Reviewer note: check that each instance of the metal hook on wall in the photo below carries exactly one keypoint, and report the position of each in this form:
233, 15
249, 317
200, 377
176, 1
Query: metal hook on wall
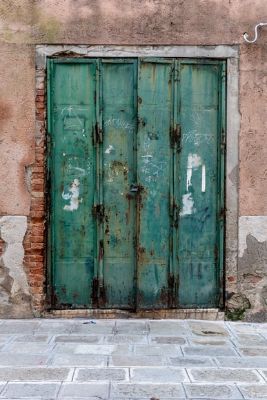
256, 33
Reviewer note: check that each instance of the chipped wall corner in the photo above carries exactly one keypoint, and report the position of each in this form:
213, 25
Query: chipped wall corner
15, 298
250, 303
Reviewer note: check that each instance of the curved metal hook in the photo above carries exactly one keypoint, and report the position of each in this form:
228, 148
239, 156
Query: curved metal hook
256, 33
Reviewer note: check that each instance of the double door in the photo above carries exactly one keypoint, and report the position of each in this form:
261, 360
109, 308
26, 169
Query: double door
135, 167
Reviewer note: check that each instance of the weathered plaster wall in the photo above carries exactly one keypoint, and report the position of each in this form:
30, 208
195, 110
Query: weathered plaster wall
24, 23
14, 289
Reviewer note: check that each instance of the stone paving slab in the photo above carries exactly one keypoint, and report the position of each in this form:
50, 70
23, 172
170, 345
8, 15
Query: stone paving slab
101, 374
32, 390
146, 390
211, 391
85, 390
254, 391
158, 374
132, 359
224, 375
36, 374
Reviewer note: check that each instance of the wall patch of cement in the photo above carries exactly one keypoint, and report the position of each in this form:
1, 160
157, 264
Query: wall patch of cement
14, 289
252, 265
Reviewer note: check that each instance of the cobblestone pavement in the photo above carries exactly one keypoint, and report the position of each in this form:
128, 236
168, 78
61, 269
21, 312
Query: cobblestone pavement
132, 359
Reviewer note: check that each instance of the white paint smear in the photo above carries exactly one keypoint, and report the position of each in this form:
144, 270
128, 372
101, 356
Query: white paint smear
188, 205
193, 161
203, 181
73, 196
109, 149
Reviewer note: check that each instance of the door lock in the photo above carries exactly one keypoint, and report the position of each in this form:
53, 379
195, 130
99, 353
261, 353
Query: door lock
134, 188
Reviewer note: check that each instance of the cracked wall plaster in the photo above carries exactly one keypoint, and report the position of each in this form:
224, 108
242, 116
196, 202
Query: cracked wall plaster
251, 225
252, 265
14, 289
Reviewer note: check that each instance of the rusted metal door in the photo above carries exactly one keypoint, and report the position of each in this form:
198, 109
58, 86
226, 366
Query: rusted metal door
136, 174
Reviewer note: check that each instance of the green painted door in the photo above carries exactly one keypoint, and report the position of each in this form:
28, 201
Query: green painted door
136, 176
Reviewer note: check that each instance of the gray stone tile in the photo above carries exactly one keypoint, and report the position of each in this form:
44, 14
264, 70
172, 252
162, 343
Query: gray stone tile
2, 385
209, 351
84, 390
157, 350
32, 338
242, 362
130, 339
243, 340
101, 374
34, 374
158, 375
127, 361
264, 372
189, 362
79, 360
85, 327
78, 339
146, 390
240, 327
167, 327
254, 352
254, 391
131, 327
28, 348
4, 338
23, 360
209, 341
205, 328
18, 326
167, 340
212, 375
31, 390
210, 391
75, 348
54, 327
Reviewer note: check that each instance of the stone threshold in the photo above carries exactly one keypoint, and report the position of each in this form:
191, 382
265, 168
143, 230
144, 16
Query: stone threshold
211, 314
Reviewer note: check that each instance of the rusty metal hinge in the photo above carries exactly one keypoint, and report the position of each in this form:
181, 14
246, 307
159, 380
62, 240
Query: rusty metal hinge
222, 213
176, 214
223, 142
99, 212
176, 137
97, 134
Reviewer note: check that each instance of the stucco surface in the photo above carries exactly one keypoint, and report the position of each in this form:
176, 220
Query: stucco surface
26, 23
16, 127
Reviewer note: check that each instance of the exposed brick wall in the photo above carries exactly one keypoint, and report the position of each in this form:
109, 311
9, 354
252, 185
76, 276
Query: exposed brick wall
2, 246
34, 243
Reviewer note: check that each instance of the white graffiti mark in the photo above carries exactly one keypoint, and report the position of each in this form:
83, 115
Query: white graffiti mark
203, 179
193, 162
76, 121
152, 170
188, 205
119, 123
196, 138
110, 149
73, 196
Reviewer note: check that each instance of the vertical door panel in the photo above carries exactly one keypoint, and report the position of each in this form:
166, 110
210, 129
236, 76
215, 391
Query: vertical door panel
198, 185
72, 182
154, 163
119, 130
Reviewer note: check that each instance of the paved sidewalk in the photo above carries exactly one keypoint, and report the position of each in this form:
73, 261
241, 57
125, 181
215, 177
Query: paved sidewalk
132, 359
